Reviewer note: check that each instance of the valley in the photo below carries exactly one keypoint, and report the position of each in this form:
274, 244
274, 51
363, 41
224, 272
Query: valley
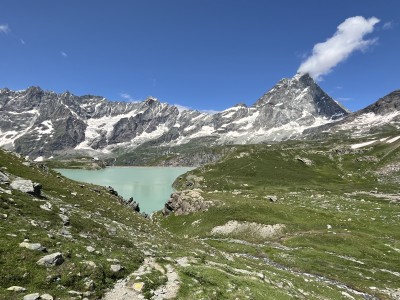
293, 197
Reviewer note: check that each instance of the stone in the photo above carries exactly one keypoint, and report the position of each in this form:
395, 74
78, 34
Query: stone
34, 296
272, 198
16, 288
47, 206
33, 246
89, 263
65, 219
306, 161
116, 268
90, 249
51, 260
4, 178
46, 297
26, 186
185, 202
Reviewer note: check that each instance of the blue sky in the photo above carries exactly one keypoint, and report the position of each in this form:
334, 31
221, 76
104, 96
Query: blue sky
203, 54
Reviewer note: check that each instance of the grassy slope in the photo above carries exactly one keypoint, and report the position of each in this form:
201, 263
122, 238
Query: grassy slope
347, 237
360, 249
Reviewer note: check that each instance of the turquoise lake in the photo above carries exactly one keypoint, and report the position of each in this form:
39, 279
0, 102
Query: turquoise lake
150, 186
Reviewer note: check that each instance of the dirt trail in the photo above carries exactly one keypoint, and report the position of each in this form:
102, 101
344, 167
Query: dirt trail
127, 289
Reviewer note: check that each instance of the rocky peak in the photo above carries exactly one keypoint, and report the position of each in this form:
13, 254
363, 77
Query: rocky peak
301, 93
389, 103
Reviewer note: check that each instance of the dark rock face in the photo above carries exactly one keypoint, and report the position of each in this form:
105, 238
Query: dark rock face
38, 123
385, 105
384, 113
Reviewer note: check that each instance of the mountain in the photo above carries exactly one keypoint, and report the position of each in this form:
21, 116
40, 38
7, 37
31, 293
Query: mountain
383, 115
41, 123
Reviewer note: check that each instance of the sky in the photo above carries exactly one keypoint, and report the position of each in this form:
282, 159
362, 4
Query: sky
201, 54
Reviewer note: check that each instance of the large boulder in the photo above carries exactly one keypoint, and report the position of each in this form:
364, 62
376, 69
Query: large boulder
51, 260
186, 202
33, 246
26, 186
4, 178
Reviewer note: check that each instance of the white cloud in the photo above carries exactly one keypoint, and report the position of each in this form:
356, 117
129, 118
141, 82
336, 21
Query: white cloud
127, 97
347, 39
22, 41
4, 28
387, 25
64, 54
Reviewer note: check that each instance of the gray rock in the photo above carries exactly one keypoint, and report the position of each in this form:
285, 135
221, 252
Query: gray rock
65, 219
272, 198
34, 296
186, 202
90, 249
33, 246
16, 288
26, 186
306, 161
46, 297
47, 206
116, 268
4, 178
51, 260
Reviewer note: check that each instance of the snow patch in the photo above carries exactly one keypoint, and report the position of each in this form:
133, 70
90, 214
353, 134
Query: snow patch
360, 145
393, 140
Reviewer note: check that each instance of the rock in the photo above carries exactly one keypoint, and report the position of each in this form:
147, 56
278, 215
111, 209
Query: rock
116, 268
34, 296
4, 179
16, 288
47, 206
111, 190
249, 228
46, 297
185, 202
133, 204
33, 246
51, 260
65, 233
328, 226
89, 263
89, 284
26, 186
65, 219
90, 249
306, 161
272, 198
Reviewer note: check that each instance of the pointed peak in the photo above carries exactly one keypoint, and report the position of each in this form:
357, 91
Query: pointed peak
151, 100
304, 77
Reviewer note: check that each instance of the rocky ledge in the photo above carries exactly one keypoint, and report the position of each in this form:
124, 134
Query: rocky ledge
186, 202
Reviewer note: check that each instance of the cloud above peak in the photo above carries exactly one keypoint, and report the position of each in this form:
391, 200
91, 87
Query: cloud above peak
348, 38
4, 28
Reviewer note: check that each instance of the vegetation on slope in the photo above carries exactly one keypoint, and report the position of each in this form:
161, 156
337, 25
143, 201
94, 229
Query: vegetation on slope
340, 208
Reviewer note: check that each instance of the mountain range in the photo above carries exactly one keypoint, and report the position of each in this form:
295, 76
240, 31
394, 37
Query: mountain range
42, 124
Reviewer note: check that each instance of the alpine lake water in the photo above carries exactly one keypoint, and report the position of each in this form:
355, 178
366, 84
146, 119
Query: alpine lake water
150, 186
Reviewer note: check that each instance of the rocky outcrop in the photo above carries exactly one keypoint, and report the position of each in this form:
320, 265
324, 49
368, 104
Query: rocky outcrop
26, 186
186, 202
51, 260
249, 228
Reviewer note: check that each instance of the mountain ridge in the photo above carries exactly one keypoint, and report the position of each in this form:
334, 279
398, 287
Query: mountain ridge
42, 123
